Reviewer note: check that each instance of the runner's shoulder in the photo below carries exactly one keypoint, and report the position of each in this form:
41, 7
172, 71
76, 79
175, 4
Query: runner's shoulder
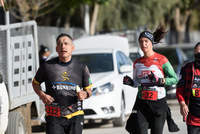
161, 58
80, 63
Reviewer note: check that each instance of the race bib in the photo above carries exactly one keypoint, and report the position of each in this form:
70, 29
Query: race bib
149, 95
196, 92
53, 111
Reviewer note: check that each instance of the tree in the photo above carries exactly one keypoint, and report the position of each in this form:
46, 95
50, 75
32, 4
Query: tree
63, 11
94, 13
67, 9
71, 13
133, 13
183, 10
110, 16
26, 10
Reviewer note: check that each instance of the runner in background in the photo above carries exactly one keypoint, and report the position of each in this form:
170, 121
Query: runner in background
151, 109
63, 76
188, 93
43, 53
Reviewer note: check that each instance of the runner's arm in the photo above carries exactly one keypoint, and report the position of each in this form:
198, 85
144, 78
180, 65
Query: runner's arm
181, 86
180, 94
169, 71
46, 99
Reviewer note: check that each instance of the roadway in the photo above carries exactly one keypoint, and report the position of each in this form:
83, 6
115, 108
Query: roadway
107, 128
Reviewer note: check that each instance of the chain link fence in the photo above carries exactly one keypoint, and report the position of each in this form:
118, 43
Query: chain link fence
3, 56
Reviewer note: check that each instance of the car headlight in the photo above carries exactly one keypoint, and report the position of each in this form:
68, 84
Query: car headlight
103, 89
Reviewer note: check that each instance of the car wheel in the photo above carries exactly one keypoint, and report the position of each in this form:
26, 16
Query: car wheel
15, 124
121, 120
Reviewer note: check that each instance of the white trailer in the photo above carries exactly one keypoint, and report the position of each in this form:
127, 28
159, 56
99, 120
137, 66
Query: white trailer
18, 64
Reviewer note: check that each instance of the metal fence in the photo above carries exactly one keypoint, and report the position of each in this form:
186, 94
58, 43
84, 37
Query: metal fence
19, 60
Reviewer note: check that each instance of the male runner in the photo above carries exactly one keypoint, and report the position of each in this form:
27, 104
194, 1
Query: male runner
61, 76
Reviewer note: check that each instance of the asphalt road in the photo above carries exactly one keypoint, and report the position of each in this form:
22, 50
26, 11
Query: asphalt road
107, 128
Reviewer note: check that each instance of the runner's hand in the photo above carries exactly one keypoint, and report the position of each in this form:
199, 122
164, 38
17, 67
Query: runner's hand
82, 95
128, 81
47, 99
184, 109
155, 80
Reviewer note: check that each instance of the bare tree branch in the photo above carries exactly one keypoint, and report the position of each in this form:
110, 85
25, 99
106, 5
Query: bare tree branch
31, 9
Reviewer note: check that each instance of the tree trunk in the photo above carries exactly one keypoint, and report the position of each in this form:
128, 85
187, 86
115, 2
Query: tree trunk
180, 25
47, 20
187, 35
94, 18
67, 21
162, 22
180, 37
58, 21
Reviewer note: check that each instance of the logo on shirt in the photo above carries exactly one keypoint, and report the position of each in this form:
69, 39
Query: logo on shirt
64, 75
145, 73
64, 87
195, 85
90, 81
197, 79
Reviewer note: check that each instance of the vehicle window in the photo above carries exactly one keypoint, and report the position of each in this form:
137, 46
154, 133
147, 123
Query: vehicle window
125, 59
189, 52
101, 62
119, 61
171, 55
134, 56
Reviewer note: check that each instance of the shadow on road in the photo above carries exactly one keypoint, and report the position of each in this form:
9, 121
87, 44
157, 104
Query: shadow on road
87, 125
97, 124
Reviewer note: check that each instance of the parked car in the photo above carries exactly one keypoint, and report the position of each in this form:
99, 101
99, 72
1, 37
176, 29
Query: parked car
189, 51
107, 59
178, 55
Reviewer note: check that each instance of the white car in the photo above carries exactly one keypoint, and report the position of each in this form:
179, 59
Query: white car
107, 59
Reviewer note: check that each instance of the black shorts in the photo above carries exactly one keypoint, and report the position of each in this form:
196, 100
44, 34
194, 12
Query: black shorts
62, 125
193, 129
146, 118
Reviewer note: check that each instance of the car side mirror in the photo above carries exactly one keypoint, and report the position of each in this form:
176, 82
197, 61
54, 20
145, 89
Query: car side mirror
126, 68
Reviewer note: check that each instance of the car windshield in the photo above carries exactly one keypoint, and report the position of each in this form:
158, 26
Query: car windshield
101, 62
